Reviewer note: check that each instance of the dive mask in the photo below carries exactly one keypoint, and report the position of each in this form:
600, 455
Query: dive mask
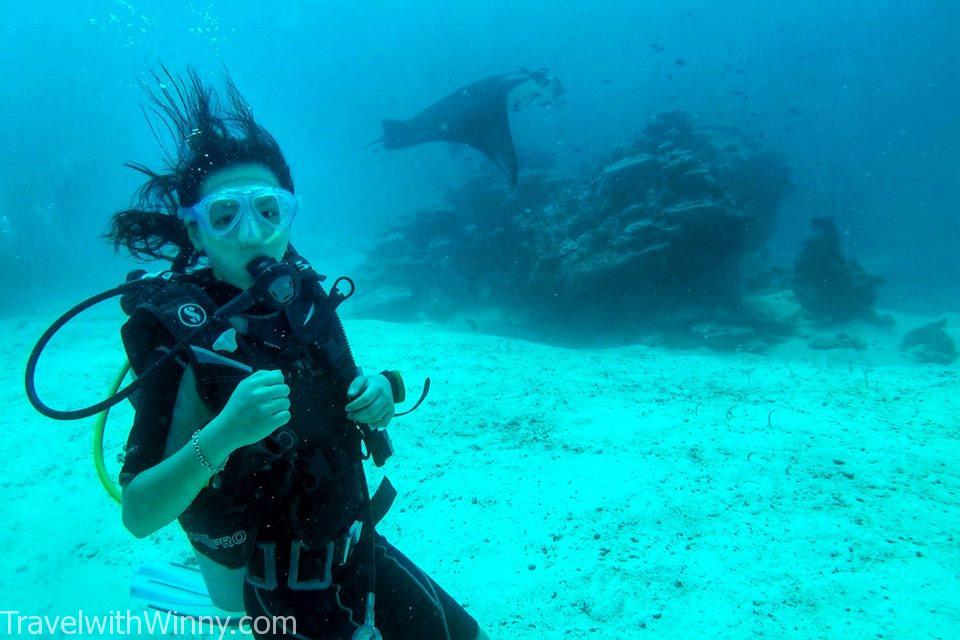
223, 213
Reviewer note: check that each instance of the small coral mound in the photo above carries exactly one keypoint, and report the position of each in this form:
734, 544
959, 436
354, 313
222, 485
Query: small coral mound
930, 343
830, 287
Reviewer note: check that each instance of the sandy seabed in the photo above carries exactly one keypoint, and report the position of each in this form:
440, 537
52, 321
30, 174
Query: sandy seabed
571, 493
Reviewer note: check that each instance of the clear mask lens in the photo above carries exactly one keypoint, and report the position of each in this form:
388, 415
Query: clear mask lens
223, 213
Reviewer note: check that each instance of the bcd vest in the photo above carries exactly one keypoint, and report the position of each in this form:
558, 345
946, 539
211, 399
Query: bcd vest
304, 481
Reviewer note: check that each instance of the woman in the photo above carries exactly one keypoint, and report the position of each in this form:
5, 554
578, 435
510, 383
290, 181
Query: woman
251, 437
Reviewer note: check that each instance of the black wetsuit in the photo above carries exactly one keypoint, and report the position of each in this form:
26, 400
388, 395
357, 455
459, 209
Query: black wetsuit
309, 488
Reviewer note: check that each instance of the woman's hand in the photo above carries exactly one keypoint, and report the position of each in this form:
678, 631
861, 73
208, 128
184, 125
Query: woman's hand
257, 407
372, 401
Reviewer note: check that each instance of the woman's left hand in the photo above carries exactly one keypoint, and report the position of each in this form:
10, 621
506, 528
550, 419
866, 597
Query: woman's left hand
372, 401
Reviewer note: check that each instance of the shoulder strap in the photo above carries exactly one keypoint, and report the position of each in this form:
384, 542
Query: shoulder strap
167, 313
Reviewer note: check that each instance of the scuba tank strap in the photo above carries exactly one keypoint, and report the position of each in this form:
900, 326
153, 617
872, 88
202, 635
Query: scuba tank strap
381, 500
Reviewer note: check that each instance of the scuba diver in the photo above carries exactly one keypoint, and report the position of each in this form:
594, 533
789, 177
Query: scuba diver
251, 427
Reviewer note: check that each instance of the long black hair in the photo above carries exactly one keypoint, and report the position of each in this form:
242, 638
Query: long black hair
203, 136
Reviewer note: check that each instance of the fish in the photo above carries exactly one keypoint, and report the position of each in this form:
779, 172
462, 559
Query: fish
476, 115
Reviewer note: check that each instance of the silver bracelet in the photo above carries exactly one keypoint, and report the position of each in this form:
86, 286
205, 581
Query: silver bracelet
202, 457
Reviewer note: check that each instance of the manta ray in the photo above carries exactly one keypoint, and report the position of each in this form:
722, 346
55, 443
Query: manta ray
476, 115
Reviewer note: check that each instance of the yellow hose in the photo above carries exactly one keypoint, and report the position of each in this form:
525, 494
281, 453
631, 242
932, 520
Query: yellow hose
98, 427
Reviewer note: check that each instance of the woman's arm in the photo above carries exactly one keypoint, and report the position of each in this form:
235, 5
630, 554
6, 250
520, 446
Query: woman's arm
158, 495
257, 407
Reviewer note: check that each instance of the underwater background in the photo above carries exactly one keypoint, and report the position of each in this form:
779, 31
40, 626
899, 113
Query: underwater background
758, 461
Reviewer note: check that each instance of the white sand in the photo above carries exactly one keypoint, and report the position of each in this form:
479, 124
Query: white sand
559, 493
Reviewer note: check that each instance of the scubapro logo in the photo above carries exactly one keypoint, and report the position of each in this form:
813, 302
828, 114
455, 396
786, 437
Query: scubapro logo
225, 542
191, 315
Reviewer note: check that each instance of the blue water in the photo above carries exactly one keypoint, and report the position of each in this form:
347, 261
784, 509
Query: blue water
859, 96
